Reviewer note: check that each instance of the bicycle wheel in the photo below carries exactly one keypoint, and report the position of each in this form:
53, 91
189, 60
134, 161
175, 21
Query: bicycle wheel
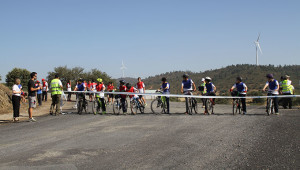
85, 107
133, 107
95, 107
209, 106
269, 106
156, 106
79, 107
234, 107
195, 105
239, 106
116, 107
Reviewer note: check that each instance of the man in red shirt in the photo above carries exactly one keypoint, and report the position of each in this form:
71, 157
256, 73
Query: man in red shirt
141, 89
123, 88
110, 88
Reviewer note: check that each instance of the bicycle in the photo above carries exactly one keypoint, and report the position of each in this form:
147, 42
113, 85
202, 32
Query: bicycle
209, 105
82, 104
117, 105
236, 103
97, 105
135, 105
192, 104
159, 104
270, 105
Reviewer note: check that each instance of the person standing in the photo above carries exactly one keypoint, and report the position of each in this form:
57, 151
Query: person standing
286, 89
32, 95
110, 88
202, 91
141, 89
45, 90
16, 99
39, 92
56, 91
165, 87
273, 88
69, 89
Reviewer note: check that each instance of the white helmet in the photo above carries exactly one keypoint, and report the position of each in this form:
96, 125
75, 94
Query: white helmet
207, 78
202, 79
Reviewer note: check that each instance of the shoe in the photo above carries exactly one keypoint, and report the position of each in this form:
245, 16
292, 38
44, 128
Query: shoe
244, 113
104, 112
203, 106
32, 120
205, 112
277, 113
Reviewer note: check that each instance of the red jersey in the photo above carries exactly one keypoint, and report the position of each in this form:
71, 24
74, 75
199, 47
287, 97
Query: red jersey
110, 88
100, 87
140, 85
131, 90
123, 89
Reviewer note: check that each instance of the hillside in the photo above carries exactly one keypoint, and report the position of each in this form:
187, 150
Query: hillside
224, 78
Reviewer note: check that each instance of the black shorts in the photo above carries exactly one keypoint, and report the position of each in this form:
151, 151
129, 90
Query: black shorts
110, 95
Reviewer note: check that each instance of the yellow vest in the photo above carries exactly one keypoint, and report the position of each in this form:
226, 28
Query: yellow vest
55, 87
286, 88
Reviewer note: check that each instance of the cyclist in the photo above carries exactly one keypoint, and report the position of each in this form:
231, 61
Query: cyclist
241, 91
81, 87
100, 97
110, 88
187, 86
165, 87
202, 90
131, 89
210, 91
273, 90
141, 89
123, 88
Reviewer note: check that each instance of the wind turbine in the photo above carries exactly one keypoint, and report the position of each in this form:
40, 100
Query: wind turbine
257, 47
123, 68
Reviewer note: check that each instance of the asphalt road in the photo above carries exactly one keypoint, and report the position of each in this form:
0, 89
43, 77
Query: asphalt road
176, 141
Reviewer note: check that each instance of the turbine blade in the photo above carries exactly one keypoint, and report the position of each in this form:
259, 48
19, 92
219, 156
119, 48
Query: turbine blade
259, 47
258, 37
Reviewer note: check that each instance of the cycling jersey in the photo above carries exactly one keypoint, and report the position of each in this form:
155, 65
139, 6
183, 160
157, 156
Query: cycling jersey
241, 87
209, 87
80, 87
123, 89
164, 86
132, 90
100, 87
187, 85
273, 85
110, 88
140, 86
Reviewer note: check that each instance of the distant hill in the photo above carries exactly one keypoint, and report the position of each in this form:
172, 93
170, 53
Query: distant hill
224, 78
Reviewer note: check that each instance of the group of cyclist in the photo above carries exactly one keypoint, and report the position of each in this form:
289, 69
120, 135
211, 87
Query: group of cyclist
207, 88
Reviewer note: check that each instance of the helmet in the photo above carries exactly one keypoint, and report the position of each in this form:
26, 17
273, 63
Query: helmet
122, 82
202, 79
43, 79
185, 75
270, 76
128, 85
163, 79
239, 78
208, 78
80, 80
99, 80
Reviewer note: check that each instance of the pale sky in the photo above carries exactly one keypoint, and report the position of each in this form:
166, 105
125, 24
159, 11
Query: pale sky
152, 37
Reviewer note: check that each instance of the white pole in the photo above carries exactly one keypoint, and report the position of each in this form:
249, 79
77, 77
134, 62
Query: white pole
256, 56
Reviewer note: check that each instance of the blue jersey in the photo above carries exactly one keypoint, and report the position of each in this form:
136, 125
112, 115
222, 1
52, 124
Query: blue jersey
273, 85
80, 87
164, 85
240, 87
187, 84
209, 87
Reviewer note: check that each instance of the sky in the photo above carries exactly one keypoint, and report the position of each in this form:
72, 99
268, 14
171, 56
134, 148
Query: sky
150, 36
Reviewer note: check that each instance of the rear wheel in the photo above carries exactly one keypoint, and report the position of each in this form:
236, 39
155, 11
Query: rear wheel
157, 106
209, 106
133, 107
95, 107
195, 105
116, 107
234, 107
269, 106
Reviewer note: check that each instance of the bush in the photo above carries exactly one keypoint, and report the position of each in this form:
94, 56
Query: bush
22, 74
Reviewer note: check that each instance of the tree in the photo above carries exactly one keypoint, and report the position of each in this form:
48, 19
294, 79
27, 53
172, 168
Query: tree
75, 73
22, 74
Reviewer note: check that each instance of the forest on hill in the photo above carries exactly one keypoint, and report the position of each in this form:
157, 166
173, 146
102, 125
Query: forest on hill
224, 78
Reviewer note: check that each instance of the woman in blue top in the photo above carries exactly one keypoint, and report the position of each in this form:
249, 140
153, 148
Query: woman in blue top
165, 87
273, 90
242, 91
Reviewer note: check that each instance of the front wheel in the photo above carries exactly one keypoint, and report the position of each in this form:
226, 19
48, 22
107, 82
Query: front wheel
234, 107
116, 107
95, 107
195, 105
133, 107
209, 106
157, 106
269, 106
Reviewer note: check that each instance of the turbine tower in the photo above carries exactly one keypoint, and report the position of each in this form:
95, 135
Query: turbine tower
257, 48
123, 68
